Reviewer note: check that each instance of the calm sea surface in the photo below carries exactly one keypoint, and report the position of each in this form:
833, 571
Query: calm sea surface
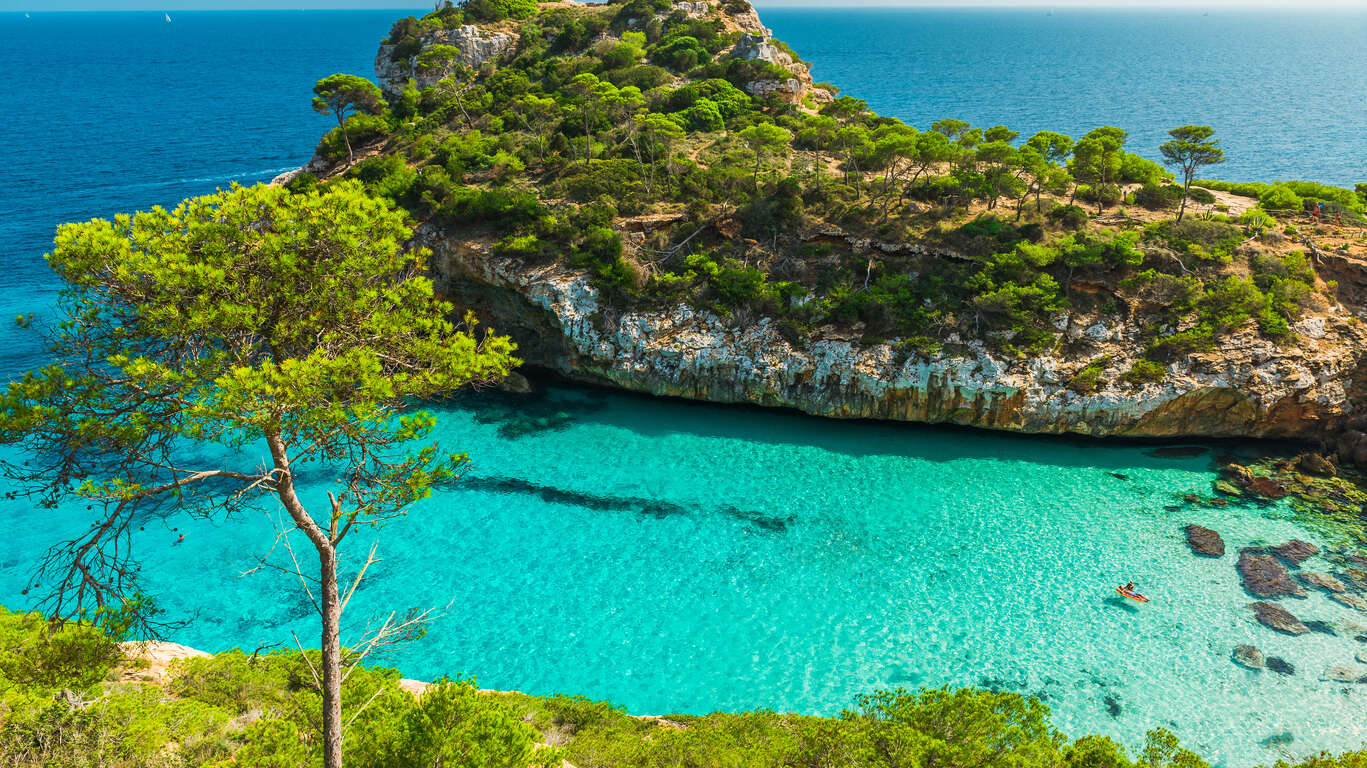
676, 557
1286, 91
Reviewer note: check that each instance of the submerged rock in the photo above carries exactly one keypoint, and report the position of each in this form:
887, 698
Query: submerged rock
1344, 673
1268, 488
1322, 581
1295, 552
1278, 618
1263, 576
1204, 541
1315, 464
1280, 666
1249, 656
1279, 739
1322, 627
1350, 600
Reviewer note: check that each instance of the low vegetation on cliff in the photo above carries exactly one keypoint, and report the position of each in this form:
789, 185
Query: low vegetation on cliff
677, 153
69, 696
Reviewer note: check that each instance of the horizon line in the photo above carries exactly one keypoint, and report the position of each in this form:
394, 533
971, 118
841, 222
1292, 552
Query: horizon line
1070, 5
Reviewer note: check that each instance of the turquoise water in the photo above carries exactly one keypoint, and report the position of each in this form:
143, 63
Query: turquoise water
674, 557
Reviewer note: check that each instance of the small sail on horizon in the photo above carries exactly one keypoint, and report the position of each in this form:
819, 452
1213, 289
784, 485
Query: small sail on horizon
168, 17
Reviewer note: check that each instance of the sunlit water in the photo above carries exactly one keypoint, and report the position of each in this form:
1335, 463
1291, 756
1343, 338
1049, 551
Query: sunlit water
669, 557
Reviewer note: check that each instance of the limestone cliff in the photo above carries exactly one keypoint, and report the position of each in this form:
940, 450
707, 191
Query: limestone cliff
1249, 387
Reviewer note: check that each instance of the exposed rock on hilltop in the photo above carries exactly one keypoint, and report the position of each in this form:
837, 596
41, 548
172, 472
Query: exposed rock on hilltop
476, 47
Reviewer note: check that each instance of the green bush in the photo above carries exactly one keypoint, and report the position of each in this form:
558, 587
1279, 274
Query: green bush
1200, 338
1088, 379
703, 116
1280, 199
1158, 198
363, 129
1070, 217
1145, 372
498, 10
1139, 170
1203, 238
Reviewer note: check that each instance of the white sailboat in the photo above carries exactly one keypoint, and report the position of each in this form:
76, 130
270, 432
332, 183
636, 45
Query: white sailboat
168, 17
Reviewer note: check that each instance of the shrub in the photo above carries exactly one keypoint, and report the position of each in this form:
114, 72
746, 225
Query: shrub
498, 10
1139, 170
1168, 348
1068, 217
75, 656
362, 128
1230, 302
619, 178
1280, 198
1088, 379
680, 53
1204, 238
1145, 372
1158, 198
503, 207
1178, 293
302, 184
703, 116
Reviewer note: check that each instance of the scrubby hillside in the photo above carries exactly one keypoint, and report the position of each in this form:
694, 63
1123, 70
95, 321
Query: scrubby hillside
655, 195
71, 696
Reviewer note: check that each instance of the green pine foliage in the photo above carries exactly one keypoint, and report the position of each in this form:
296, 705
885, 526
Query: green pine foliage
602, 114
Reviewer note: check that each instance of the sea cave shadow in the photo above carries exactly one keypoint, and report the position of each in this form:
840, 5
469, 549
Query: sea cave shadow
556, 404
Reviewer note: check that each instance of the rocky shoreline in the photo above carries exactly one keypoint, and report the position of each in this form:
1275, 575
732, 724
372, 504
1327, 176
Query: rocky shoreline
1250, 387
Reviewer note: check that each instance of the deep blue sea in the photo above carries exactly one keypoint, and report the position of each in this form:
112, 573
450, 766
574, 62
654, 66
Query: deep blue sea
675, 557
1285, 90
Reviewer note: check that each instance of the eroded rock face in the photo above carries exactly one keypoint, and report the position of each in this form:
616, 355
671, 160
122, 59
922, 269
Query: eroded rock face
758, 47
1249, 656
1264, 576
687, 352
476, 46
1278, 618
1295, 552
1204, 541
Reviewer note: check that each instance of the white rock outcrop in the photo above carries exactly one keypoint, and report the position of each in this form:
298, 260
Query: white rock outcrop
1250, 387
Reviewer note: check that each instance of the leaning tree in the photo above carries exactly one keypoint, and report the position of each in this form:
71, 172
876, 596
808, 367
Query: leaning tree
1191, 148
340, 94
208, 354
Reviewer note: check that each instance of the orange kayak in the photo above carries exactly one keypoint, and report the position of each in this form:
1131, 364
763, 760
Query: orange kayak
1132, 595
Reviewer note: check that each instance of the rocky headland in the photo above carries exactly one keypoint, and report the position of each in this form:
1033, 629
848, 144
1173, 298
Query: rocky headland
1303, 385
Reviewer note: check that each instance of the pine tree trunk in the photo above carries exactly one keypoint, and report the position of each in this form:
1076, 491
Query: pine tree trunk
350, 156
329, 606
332, 659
